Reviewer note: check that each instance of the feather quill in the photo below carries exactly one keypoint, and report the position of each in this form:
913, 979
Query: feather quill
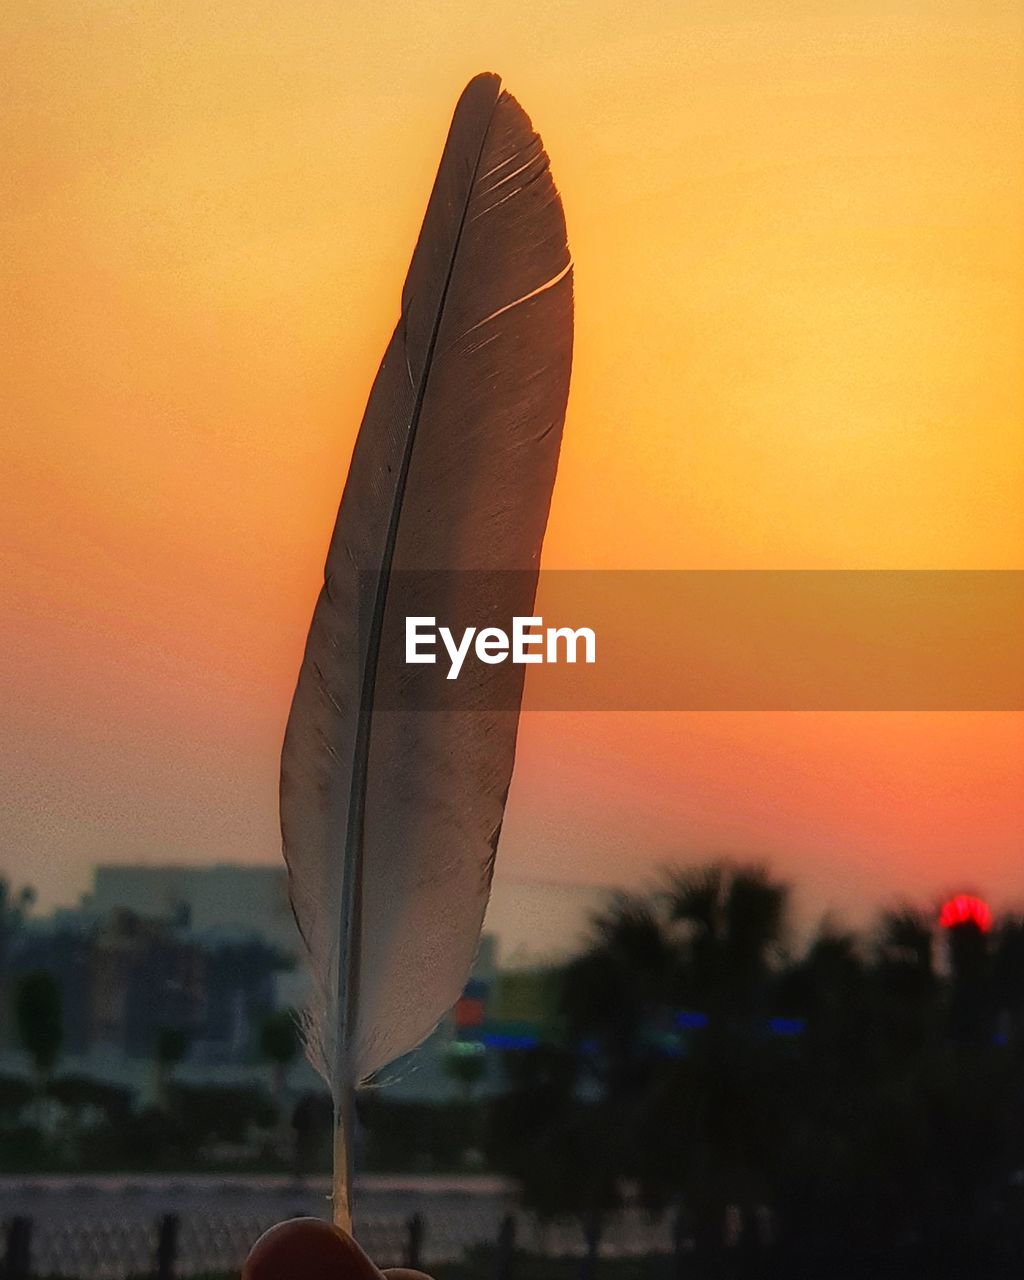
390, 814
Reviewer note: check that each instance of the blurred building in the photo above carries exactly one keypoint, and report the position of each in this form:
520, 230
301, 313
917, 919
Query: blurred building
141, 978
210, 950
227, 899
126, 978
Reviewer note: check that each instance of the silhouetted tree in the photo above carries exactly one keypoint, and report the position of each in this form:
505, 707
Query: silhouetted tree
14, 907
1008, 977
16, 1094
559, 1142
568, 1128
37, 1011
971, 997
724, 1113
733, 921
466, 1069
170, 1049
280, 1045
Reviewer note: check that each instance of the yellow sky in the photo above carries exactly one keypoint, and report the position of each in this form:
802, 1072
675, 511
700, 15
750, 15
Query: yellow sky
799, 241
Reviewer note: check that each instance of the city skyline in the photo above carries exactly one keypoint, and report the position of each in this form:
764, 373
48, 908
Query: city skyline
532, 923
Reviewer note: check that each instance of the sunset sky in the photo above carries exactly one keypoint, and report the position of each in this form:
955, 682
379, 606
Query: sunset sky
798, 231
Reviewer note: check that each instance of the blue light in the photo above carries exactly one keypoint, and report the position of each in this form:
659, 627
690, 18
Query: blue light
497, 1040
691, 1021
787, 1026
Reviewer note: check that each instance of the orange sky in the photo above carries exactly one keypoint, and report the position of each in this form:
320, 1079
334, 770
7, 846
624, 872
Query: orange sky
799, 241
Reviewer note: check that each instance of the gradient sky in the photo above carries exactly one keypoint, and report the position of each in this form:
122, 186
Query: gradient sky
799, 240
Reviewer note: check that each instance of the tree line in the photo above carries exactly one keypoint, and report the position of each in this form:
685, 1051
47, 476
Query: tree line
856, 1105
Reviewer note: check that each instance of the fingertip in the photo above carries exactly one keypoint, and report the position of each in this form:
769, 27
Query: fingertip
308, 1249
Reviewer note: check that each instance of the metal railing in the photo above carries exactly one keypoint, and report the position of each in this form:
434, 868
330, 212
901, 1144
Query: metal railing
176, 1247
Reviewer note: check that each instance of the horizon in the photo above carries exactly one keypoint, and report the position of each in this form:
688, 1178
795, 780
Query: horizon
532, 930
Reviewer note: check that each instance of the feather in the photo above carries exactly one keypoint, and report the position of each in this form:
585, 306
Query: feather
390, 813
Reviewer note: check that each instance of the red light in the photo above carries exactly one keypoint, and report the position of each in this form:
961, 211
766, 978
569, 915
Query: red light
966, 909
469, 1012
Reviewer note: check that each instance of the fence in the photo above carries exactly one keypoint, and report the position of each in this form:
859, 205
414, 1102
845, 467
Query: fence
176, 1247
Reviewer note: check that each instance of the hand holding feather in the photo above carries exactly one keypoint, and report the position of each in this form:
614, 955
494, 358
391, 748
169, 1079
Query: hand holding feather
310, 1249
390, 813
